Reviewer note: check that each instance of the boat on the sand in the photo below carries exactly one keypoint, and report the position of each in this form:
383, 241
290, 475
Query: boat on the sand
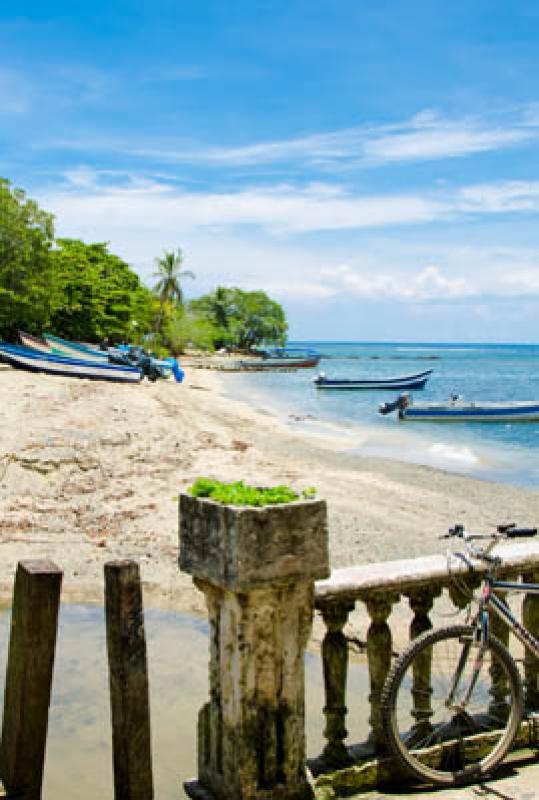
398, 382
456, 409
34, 361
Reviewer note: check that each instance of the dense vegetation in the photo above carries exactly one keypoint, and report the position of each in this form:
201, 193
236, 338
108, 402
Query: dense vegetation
82, 291
240, 494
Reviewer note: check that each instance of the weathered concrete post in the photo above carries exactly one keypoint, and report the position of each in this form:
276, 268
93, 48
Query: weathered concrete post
256, 567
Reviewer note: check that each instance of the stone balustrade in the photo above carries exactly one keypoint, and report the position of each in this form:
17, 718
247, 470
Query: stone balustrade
263, 572
379, 587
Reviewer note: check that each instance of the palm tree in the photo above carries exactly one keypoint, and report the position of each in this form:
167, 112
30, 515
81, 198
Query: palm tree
170, 274
168, 287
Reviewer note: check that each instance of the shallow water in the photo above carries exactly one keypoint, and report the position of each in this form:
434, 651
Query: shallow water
506, 452
79, 753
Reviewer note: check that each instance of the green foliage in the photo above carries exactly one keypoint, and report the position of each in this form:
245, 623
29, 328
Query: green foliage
183, 328
239, 494
100, 296
83, 292
242, 319
27, 287
170, 274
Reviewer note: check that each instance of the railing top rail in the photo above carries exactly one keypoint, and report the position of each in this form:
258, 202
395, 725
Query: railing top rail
355, 583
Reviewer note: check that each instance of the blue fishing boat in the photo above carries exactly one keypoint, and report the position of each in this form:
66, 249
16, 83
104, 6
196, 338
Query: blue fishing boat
397, 383
116, 355
34, 361
456, 409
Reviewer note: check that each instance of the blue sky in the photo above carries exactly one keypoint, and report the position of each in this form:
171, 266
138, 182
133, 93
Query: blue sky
373, 166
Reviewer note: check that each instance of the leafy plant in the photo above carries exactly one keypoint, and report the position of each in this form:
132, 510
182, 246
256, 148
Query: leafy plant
240, 494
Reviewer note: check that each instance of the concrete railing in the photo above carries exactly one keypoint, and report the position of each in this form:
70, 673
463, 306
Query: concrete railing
263, 573
420, 582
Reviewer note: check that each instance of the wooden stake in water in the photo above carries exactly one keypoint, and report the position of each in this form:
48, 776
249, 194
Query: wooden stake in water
34, 624
130, 712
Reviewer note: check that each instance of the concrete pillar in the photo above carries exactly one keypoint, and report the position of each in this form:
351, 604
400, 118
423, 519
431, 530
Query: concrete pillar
256, 567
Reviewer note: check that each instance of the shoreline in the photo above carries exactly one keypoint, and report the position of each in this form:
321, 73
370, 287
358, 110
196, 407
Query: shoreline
436, 447
90, 472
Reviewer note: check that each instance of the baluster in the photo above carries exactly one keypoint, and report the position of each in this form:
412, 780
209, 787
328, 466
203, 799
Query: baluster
335, 664
530, 618
379, 649
421, 602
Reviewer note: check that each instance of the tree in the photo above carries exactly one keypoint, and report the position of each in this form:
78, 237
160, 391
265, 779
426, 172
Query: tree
27, 287
242, 319
99, 295
170, 276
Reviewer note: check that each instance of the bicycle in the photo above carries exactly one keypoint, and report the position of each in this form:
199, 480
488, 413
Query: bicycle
453, 703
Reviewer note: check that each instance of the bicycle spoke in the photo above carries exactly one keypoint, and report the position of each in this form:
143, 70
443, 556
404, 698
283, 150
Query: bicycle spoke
444, 721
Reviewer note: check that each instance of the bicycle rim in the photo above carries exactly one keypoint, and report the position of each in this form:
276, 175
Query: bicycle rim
438, 732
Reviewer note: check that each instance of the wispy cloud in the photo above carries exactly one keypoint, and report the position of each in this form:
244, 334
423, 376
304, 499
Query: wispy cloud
280, 209
173, 73
426, 136
428, 283
500, 197
15, 92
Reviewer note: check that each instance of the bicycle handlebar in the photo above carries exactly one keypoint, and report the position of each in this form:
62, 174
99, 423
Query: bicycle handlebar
507, 531
514, 533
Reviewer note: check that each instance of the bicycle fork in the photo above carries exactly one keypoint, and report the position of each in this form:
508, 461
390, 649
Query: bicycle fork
479, 638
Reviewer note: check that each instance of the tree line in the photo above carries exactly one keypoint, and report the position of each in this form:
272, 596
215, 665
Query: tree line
84, 292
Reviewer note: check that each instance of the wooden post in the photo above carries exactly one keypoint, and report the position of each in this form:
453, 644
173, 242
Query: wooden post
130, 712
34, 625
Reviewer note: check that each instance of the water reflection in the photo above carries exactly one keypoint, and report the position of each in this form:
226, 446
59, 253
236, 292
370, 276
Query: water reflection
79, 754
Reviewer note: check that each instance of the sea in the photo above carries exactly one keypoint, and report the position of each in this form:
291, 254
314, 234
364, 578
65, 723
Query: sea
499, 452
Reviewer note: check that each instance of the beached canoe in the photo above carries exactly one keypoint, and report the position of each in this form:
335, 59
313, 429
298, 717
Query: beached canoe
399, 382
456, 409
33, 361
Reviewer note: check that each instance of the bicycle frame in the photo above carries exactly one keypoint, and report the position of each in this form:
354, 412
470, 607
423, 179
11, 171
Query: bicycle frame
489, 600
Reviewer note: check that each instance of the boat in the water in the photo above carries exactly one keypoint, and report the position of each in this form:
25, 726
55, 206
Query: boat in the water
34, 361
282, 358
399, 382
456, 409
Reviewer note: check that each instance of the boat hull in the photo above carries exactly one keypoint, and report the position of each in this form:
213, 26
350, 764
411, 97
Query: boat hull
72, 350
387, 384
280, 363
33, 361
477, 413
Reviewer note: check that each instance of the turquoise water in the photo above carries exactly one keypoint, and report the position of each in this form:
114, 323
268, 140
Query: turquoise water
502, 451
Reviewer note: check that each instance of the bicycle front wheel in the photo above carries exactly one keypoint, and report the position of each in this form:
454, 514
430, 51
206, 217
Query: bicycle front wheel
450, 717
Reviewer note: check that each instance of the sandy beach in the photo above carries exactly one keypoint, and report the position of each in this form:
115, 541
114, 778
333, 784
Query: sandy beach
91, 472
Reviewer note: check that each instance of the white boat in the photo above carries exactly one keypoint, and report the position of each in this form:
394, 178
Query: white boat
456, 409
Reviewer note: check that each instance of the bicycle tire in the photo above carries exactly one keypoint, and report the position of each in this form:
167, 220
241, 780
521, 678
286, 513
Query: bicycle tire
436, 752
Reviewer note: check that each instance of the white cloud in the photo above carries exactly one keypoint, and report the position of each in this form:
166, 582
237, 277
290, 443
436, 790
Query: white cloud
281, 209
425, 136
441, 140
500, 197
428, 283
524, 281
